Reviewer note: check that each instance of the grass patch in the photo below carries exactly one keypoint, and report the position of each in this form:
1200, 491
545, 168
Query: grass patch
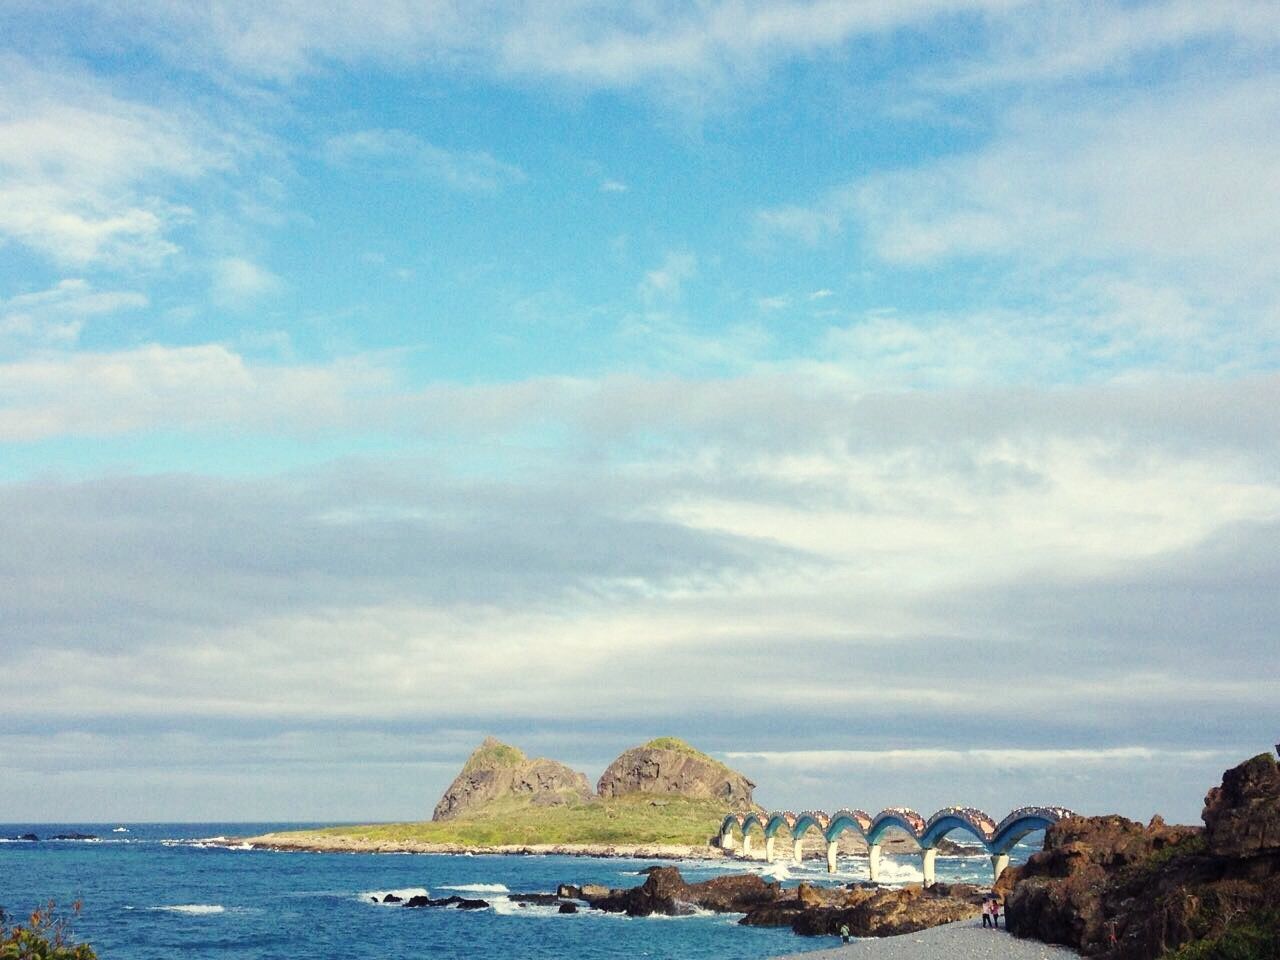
1255, 936
633, 819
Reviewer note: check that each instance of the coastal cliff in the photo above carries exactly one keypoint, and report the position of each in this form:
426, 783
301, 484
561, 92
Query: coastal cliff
1113, 888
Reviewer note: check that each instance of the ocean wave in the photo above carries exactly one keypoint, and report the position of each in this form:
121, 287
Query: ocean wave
403, 893
478, 887
504, 907
195, 909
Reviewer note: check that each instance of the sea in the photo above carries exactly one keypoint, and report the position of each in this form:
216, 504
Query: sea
163, 890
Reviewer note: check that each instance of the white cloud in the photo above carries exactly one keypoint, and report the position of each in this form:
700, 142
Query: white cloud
936, 758
199, 387
1063, 41
57, 315
470, 171
666, 282
237, 281
86, 177
1180, 180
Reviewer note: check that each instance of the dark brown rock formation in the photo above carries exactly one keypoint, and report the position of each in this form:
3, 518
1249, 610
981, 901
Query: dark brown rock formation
871, 911
1110, 887
1242, 817
672, 767
497, 771
665, 892
881, 912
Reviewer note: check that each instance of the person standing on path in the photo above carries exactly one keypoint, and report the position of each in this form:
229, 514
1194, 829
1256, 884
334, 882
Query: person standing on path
844, 932
986, 912
995, 913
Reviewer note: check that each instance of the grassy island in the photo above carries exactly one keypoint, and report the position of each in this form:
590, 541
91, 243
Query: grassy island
617, 820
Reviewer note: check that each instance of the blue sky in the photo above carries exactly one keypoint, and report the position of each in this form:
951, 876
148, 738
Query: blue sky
879, 395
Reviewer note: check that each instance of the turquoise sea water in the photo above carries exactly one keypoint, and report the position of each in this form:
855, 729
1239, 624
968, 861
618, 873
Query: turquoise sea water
162, 891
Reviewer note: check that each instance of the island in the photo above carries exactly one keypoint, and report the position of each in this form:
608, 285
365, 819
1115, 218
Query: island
663, 799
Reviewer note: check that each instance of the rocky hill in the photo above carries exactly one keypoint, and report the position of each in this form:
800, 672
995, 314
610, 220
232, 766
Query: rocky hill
497, 771
1113, 888
671, 767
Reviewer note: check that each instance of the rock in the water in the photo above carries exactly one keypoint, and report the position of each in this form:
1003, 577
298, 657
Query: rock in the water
568, 908
392, 898
671, 767
497, 771
539, 899
1242, 817
665, 892
73, 836
27, 837
462, 903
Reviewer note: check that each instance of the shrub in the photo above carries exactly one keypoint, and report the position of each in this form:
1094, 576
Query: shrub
1255, 936
45, 936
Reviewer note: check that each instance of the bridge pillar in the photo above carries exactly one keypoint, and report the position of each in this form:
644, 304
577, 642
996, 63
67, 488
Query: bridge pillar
746, 844
998, 864
797, 850
873, 862
832, 846
930, 857
768, 849
726, 840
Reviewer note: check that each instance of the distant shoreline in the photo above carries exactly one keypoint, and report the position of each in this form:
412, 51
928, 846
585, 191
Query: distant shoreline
312, 842
303, 842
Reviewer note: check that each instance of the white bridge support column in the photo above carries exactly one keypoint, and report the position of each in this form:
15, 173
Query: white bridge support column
746, 844
797, 850
832, 847
998, 864
930, 857
726, 840
873, 862
768, 849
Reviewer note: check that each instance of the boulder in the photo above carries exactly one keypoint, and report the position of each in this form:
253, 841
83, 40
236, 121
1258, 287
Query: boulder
879, 912
568, 908
665, 892
497, 771
1242, 816
671, 767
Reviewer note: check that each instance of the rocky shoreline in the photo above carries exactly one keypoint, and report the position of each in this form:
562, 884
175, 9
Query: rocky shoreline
865, 910
305, 842
320, 843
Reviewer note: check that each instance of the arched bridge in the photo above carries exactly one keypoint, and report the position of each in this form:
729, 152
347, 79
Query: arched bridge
996, 838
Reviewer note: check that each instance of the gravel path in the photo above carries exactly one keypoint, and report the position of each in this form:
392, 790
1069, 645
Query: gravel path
963, 940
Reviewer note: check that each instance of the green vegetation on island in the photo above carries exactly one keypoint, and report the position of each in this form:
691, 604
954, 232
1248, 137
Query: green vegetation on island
634, 819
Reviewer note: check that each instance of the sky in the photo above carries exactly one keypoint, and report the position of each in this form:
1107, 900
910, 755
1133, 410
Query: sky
881, 396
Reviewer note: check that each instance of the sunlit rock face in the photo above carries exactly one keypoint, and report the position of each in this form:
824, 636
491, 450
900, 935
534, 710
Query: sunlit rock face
671, 767
497, 771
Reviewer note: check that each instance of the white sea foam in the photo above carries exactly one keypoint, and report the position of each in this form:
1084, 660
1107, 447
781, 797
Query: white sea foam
404, 894
479, 887
195, 909
509, 908
120, 830
895, 871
